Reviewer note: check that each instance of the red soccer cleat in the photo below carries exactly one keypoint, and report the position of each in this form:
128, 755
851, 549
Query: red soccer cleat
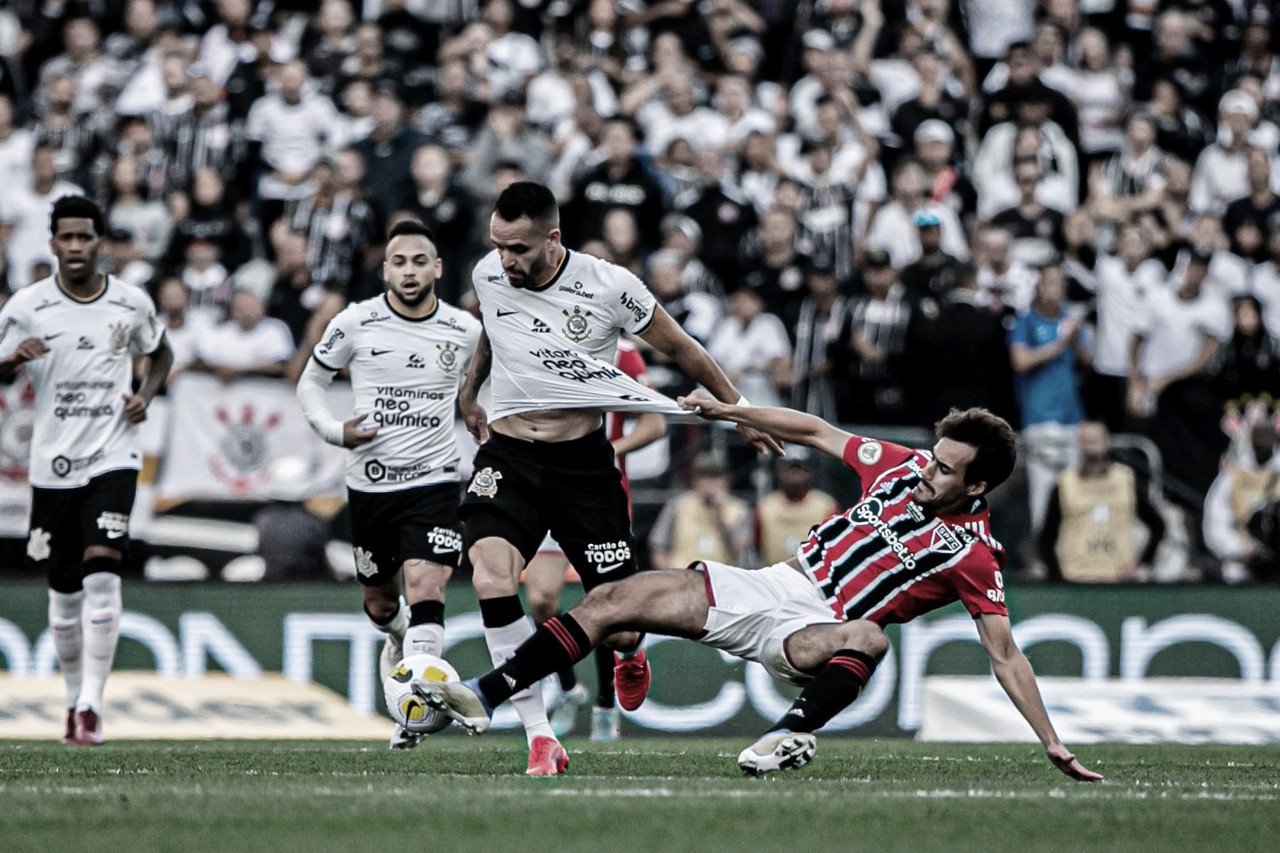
88, 728
546, 757
631, 678
69, 733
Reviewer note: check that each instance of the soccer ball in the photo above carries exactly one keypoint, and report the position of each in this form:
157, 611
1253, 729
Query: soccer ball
407, 707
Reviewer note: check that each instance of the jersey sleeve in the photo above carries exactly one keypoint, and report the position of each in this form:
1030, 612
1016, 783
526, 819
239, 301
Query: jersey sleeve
13, 325
337, 344
979, 584
634, 305
149, 330
870, 458
1020, 333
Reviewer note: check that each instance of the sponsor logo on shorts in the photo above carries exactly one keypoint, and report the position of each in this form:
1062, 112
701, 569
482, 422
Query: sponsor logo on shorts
365, 566
62, 466
114, 524
485, 482
870, 452
38, 544
608, 556
444, 541
576, 327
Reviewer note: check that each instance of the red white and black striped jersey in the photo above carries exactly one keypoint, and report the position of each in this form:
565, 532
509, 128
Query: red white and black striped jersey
888, 559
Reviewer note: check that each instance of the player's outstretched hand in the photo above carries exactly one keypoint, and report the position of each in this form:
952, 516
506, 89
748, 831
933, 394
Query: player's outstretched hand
703, 405
761, 441
135, 409
30, 350
354, 435
1066, 762
477, 421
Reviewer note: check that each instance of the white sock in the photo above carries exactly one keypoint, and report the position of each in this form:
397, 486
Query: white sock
503, 643
102, 608
398, 624
425, 639
68, 639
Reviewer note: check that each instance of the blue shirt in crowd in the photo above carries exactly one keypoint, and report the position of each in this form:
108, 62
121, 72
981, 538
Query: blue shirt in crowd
1047, 394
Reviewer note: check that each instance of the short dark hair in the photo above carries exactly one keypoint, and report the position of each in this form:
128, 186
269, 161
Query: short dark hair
993, 439
527, 198
77, 207
411, 227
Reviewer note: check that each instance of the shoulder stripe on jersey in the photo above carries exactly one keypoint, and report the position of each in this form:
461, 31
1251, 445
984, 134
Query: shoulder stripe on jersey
322, 364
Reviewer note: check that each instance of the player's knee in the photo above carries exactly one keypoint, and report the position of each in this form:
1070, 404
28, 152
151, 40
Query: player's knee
606, 604
866, 637
425, 581
381, 603
494, 571
543, 604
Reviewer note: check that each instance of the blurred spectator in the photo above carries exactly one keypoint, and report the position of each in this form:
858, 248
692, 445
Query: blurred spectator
956, 354
1045, 349
682, 235
24, 216
1180, 130
339, 223
621, 180
1036, 229
148, 222
96, 76
1264, 280
123, 258
933, 105
933, 274
443, 204
1100, 92
1250, 363
752, 347
16, 144
827, 212
1088, 532
1240, 512
327, 43
697, 312
784, 517
77, 138
248, 343
817, 326
891, 228
1221, 170
704, 523
1025, 98
455, 114
722, 212
935, 147
1247, 219
775, 269
387, 151
1009, 143
202, 136
1005, 283
867, 356
296, 293
211, 217
227, 40
183, 327
1130, 179
507, 137
1177, 59
206, 279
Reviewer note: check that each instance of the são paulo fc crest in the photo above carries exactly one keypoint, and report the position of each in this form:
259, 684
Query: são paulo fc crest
576, 327
119, 337
870, 451
485, 482
447, 358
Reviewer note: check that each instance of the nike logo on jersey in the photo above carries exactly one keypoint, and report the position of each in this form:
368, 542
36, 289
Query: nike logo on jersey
379, 351
502, 313
604, 570
54, 335
445, 550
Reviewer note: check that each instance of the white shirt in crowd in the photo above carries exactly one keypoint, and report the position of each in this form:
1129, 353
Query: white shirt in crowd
228, 345
893, 229
28, 212
79, 430
1121, 298
993, 170
1175, 328
15, 158
748, 351
702, 128
1264, 283
1220, 177
293, 137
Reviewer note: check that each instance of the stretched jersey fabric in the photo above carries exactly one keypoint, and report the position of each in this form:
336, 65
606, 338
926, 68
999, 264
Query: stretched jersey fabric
553, 348
405, 373
888, 559
80, 384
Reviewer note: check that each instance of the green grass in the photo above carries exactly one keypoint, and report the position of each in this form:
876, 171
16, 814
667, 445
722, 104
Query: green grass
456, 793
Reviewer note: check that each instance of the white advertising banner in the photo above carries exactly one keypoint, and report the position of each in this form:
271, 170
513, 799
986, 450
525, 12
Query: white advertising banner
1139, 710
223, 438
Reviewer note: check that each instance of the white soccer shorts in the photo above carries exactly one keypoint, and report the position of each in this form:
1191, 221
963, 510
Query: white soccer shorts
753, 611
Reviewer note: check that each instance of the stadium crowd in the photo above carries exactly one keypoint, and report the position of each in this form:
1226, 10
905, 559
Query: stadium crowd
871, 210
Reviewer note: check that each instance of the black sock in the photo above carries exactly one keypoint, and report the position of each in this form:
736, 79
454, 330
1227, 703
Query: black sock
558, 643
381, 623
501, 611
426, 613
832, 690
604, 678
568, 679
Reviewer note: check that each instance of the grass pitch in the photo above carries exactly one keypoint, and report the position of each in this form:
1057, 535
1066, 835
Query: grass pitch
641, 794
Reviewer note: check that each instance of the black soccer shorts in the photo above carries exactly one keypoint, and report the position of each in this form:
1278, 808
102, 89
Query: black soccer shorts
66, 521
417, 523
519, 490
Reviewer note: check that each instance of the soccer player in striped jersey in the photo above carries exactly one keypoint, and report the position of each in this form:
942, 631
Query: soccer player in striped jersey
917, 539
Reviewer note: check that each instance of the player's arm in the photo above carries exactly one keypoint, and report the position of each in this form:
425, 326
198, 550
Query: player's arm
29, 349
473, 414
135, 405
782, 424
312, 396
648, 428
665, 335
1013, 671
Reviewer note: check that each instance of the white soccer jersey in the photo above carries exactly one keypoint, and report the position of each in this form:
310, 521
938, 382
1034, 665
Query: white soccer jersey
80, 430
553, 348
405, 374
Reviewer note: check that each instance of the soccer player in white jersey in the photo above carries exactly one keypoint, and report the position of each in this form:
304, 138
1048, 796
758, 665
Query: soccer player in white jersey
407, 352
77, 334
552, 319
917, 539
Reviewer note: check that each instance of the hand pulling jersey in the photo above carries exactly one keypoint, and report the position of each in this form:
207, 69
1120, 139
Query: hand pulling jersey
553, 348
888, 559
80, 430
405, 374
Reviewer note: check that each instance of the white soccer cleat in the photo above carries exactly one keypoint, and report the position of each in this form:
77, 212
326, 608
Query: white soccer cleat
563, 710
778, 751
392, 654
606, 725
402, 738
457, 699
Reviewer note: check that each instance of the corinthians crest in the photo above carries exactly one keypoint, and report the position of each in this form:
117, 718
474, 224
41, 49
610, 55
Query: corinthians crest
485, 482
447, 358
119, 337
576, 327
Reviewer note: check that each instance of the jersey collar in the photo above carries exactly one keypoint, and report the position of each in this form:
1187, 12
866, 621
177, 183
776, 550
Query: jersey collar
407, 318
106, 285
564, 263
